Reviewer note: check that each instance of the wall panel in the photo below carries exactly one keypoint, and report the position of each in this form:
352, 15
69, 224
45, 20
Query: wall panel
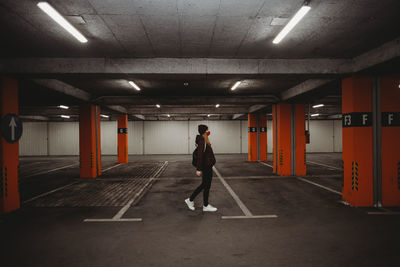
108, 137
321, 136
337, 141
33, 141
135, 137
63, 138
166, 137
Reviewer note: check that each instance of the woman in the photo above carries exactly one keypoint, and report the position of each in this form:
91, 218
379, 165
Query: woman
205, 162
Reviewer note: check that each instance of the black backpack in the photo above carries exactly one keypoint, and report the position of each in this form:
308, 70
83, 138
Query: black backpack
194, 155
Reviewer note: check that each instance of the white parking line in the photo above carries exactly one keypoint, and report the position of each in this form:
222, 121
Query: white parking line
44, 172
324, 165
245, 210
112, 167
47, 193
266, 164
321, 186
383, 213
124, 209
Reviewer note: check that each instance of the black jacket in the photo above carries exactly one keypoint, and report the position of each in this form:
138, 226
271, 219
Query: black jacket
205, 159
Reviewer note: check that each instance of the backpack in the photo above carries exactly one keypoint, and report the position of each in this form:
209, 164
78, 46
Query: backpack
194, 155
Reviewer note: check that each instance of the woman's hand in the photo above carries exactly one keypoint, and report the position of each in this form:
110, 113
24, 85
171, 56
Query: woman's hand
198, 173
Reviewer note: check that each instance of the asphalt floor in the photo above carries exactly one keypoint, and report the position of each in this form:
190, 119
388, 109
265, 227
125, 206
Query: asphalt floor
300, 223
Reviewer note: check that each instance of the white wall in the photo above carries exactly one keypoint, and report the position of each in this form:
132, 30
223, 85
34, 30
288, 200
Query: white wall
34, 139
109, 137
164, 137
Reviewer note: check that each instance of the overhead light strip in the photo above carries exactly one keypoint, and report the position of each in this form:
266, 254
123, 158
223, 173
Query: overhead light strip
314, 115
134, 85
65, 116
292, 23
236, 85
104, 116
57, 17
63, 107
318, 106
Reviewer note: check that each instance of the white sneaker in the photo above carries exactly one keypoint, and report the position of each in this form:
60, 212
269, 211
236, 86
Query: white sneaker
209, 208
189, 203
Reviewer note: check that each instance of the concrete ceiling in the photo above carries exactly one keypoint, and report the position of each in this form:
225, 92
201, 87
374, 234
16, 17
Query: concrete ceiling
209, 44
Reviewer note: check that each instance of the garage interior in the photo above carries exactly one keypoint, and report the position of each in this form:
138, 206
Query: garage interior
304, 130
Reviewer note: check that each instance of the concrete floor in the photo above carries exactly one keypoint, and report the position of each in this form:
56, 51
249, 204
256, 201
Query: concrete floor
312, 227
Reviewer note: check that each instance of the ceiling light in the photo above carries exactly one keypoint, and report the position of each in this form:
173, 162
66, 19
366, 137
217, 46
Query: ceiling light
185, 83
134, 85
217, 105
104, 116
235, 85
57, 17
63, 107
318, 106
168, 115
158, 106
314, 115
208, 115
65, 116
292, 23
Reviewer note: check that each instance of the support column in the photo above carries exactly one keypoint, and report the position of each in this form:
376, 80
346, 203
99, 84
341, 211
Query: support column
9, 152
289, 139
357, 141
262, 137
89, 141
252, 136
123, 138
390, 107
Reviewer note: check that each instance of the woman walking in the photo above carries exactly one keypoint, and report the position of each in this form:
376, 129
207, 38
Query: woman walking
205, 162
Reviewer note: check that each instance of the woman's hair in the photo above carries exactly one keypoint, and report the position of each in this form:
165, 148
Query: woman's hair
202, 129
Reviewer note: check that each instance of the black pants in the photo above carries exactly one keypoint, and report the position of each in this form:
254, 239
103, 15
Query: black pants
205, 185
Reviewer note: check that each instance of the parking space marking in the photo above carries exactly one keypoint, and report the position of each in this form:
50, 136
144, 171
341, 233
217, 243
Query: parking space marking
226, 178
247, 213
321, 186
118, 217
44, 172
324, 165
266, 164
112, 167
48, 193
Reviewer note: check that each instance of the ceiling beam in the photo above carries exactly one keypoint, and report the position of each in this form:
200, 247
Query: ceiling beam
117, 108
255, 108
140, 117
187, 100
187, 110
35, 118
237, 116
64, 88
173, 66
303, 87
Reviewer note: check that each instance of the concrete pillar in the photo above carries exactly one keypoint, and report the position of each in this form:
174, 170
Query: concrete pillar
262, 140
9, 150
89, 141
289, 139
123, 138
252, 137
390, 99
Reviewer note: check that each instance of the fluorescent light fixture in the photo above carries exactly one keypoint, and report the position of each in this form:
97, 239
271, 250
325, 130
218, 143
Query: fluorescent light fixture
318, 106
292, 23
168, 115
315, 115
217, 105
65, 116
63, 107
134, 85
208, 115
236, 85
158, 106
104, 116
57, 17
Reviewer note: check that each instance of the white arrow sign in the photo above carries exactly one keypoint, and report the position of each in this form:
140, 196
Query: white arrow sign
13, 125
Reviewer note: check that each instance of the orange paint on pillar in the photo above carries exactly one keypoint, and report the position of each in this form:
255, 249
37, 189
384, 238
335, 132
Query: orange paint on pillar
9, 152
284, 139
263, 137
252, 137
390, 103
300, 139
357, 144
123, 138
87, 141
274, 136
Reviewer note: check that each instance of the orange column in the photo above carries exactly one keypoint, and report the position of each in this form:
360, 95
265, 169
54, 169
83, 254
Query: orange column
123, 138
274, 138
89, 141
9, 152
252, 136
263, 137
390, 107
300, 124
283, 136
357, 141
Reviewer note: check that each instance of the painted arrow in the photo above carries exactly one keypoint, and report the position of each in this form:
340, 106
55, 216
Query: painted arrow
13, 125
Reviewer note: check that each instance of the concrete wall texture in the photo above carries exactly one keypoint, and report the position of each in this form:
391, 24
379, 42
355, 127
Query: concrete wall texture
163, 137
